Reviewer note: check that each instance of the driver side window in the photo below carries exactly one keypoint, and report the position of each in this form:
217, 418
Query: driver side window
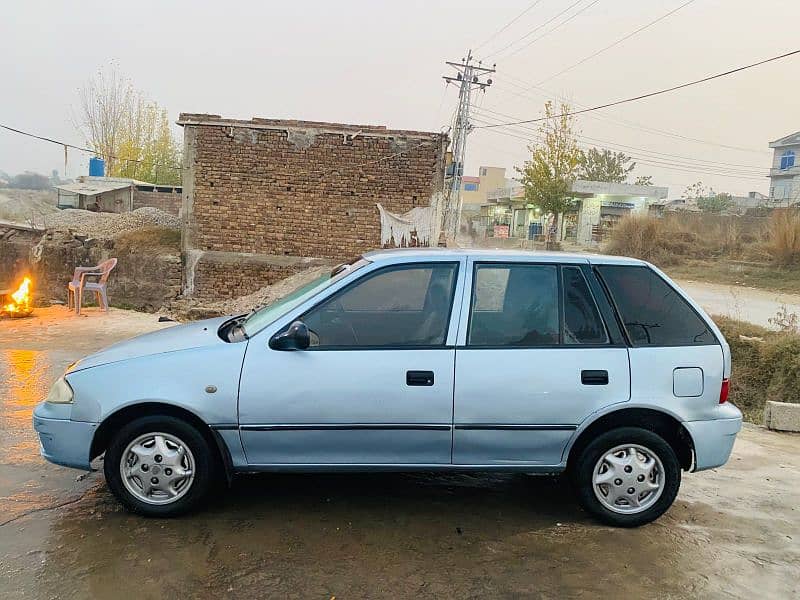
398, 306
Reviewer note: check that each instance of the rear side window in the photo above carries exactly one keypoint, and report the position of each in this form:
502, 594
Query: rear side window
582, 321
514, 305
652, 312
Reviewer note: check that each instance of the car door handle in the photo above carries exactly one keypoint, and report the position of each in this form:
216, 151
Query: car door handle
419, 378
594, 377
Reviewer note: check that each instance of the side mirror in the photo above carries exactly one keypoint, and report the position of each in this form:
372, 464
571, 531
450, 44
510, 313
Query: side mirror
296, 337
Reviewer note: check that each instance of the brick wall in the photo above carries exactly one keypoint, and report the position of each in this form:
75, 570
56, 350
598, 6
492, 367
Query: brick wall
299, 188
218, 275
169, 202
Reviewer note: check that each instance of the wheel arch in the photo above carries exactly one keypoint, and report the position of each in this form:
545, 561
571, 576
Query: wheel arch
659, 422
126, 414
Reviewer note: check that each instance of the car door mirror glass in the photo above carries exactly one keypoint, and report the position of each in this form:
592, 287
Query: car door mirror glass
296, 337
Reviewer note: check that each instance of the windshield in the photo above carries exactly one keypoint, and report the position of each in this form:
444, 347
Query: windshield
265, 315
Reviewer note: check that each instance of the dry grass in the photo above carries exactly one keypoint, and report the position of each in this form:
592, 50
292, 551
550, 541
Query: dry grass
766, 366
153, 240
680, 237
784, 237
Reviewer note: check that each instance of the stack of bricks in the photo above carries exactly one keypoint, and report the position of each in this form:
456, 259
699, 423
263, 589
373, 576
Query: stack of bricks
298, 188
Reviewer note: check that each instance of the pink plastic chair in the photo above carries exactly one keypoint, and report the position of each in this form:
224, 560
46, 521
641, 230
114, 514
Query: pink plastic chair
79, 283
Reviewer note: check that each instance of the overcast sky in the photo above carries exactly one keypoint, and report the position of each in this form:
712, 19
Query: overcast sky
380, 62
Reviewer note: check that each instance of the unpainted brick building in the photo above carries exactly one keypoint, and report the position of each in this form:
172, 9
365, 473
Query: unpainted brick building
279, 195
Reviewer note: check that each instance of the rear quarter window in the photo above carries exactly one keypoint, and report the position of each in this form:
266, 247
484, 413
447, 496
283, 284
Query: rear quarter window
653, 313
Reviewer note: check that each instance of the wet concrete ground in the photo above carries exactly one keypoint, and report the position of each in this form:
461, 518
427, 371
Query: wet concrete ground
732, 533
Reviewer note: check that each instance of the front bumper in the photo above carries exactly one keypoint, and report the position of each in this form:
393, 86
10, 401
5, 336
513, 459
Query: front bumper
63, 441
713, 440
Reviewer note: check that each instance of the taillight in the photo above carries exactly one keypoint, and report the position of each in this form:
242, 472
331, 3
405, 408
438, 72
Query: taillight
724, 390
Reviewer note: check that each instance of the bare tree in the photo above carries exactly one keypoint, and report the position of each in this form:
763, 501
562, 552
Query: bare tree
107, 102
131, 132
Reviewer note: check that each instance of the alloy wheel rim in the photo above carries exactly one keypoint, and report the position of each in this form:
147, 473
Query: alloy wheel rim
628, 479
157, 468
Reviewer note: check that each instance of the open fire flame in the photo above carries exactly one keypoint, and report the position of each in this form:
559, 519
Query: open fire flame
20, 300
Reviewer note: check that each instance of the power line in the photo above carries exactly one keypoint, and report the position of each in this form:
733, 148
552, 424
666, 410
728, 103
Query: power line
656, 93
534, 30
610, 143
546, 33
619, 41
509, 24
624, 122
646, 154
83, 149
672, 166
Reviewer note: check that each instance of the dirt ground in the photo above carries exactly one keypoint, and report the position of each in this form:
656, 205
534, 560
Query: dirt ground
740, 302
732, 533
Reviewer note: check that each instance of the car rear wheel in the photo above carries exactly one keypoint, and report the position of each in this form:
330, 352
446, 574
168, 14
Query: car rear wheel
159, 466
627, 477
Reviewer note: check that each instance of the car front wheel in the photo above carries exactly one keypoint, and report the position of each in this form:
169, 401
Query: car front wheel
627, 477
159, 466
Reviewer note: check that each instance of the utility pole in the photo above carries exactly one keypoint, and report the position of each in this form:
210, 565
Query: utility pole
469, 77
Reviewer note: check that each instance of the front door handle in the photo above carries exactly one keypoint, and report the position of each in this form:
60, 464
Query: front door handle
424, 378
594, 377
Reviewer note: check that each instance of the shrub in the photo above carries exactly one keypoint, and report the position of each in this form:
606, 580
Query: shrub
766, 366
784, 237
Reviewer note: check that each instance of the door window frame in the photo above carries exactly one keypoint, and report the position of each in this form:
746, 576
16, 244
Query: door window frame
614, 334
453, 319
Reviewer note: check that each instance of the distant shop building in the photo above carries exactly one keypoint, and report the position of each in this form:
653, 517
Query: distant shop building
475, 189
117, 195
597, 207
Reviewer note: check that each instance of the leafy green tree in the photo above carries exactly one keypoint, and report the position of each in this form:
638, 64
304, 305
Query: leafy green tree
715, 203
707, 199
646, 180
547, 177
148, 150
604, 165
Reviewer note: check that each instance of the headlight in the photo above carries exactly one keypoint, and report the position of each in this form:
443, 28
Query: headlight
60, 393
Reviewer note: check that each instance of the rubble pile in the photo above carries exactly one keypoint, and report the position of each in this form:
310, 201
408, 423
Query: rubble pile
187, 309
109, 225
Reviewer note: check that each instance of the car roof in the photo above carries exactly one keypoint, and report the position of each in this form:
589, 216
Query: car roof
420, 254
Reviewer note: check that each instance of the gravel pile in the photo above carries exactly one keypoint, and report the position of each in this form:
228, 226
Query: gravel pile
272, 293
109, 225
190, 309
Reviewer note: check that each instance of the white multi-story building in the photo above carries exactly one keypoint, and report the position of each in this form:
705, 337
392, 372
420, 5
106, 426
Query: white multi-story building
785, 172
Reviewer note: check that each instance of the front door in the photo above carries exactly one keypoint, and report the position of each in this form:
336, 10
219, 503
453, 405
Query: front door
376, 385
537, 360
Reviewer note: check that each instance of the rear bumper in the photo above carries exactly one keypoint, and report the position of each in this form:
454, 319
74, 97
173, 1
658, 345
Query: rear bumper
63, 441
713, 440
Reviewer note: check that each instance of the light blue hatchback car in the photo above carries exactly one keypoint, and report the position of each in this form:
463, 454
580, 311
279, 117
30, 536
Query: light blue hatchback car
417, 360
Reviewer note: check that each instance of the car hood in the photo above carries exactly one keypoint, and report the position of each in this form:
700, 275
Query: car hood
180, 337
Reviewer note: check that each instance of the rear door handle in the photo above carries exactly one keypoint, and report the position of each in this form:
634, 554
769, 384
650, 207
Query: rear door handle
594, 377
424, 378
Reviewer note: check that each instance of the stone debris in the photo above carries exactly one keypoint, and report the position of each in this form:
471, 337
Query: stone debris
187, 309
109, 225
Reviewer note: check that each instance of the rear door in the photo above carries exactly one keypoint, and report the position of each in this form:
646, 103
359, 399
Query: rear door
534, 359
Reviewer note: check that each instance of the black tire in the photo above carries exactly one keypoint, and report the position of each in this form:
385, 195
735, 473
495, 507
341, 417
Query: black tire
583, 472
206, 465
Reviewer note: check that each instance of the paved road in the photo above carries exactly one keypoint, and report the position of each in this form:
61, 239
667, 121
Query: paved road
733, 532
738, 302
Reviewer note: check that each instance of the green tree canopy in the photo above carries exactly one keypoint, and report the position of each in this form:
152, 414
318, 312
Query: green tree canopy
548, 175
603, 165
